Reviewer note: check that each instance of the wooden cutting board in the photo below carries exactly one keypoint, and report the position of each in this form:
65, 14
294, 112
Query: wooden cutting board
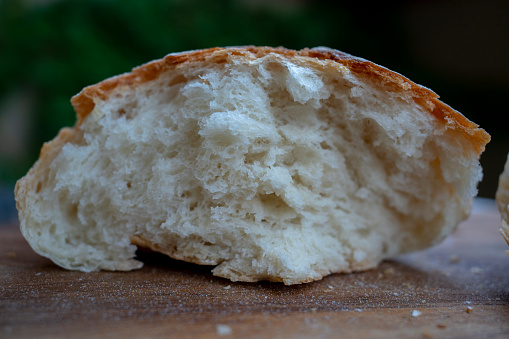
458, 289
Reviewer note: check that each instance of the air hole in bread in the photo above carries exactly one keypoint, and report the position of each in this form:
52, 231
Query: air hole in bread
52, 229
275, 205
325, 145
252, 158
177, 80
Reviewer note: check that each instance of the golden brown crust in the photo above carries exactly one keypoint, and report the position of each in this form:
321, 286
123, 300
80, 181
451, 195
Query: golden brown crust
84, 102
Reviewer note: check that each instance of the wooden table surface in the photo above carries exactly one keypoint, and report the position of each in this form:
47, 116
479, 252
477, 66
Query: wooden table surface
458, 289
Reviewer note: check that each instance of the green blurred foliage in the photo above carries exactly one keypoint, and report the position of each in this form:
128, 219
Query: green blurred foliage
55, 48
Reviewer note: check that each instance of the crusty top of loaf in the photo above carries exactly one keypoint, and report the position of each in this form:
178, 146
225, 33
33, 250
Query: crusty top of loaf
84, 101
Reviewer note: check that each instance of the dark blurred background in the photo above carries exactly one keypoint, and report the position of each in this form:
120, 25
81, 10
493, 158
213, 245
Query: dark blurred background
50, 50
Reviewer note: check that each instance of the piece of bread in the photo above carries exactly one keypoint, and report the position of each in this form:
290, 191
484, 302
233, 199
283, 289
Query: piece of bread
268, 163
502, 200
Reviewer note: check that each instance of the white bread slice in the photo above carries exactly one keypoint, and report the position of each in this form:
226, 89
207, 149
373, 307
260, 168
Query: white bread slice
502, 200
269, 163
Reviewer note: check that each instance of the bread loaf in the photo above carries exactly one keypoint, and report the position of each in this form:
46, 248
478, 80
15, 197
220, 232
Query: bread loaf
267, 163
502, 200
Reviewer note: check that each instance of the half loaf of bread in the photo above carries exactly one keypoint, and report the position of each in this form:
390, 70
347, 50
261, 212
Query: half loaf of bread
268, 163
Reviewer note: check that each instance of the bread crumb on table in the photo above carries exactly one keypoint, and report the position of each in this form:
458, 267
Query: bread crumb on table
454, 259
476, 270
222, 329
389, 271
416, 313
